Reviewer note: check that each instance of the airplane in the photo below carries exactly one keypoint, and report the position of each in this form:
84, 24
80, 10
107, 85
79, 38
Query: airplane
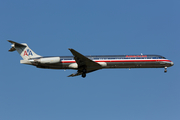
86, 64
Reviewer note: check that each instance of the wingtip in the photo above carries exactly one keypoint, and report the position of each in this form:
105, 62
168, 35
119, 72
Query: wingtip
70, 48
10, 41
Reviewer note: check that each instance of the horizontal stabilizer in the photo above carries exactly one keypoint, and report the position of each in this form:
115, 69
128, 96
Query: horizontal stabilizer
12, 49
16, 44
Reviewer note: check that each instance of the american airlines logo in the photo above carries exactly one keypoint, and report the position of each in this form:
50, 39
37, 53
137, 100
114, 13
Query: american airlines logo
27, 53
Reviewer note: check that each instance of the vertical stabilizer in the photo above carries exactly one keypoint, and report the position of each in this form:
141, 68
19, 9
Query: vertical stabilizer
23, 49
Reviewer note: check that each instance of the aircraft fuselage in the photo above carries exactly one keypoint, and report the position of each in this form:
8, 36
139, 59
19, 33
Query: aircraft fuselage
110, 61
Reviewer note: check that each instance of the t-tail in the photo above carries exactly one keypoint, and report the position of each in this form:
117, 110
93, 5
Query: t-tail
23, 49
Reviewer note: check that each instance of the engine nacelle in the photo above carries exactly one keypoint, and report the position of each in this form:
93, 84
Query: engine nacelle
49, 60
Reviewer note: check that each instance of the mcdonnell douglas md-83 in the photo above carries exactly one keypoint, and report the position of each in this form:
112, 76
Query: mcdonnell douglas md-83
86, 64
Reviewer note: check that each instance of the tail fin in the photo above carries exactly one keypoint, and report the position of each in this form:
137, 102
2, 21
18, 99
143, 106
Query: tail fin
23, 50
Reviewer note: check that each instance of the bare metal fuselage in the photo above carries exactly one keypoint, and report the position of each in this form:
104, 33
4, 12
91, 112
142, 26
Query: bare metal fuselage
68, 62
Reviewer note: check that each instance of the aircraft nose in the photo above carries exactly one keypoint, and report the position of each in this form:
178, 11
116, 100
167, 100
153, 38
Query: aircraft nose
172, 63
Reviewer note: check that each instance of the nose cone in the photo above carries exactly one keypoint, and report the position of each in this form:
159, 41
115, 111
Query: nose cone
172, 63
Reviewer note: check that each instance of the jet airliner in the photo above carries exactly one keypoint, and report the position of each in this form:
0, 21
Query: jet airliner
86, 64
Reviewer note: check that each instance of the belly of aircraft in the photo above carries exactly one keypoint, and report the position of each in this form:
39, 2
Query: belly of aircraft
110, 65
135, 65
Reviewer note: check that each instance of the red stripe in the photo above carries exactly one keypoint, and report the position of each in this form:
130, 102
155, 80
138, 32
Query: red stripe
154, 60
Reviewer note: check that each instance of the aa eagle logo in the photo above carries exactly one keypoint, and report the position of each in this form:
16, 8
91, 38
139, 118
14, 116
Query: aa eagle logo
27, 53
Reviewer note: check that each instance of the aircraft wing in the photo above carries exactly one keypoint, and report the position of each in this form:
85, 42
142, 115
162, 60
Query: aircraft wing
80, 73
84, 63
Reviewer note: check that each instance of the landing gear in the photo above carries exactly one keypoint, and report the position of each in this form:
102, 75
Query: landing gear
165, 69
84, 73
